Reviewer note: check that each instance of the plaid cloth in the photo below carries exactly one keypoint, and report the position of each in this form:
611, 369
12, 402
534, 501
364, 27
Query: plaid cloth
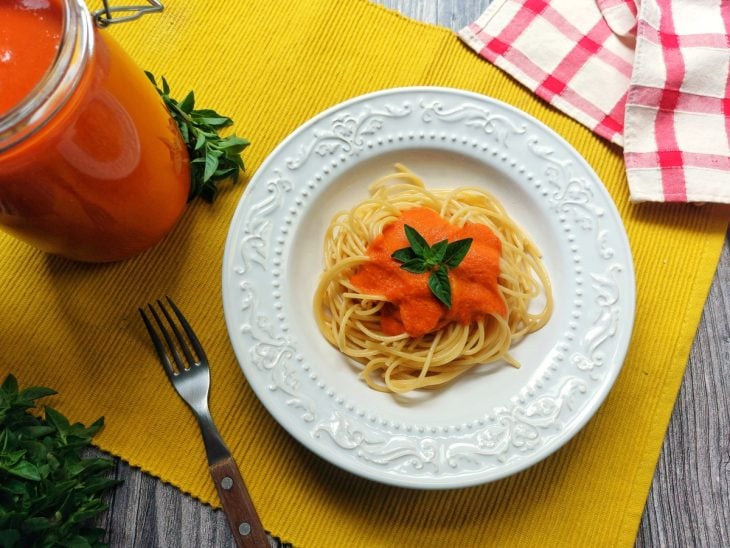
651, 77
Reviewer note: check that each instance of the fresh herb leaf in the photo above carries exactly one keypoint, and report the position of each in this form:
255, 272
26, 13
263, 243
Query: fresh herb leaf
211, 166
22, 469
403, 255
438, 250
187, 104
212, 158
48, 491
438, 283
456, 251
436, 259
418, 243
416, 266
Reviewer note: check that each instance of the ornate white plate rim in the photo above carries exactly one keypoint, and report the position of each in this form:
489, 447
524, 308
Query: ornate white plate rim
563, 392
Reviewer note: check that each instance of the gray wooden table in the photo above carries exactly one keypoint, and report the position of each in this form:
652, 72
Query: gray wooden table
689, 502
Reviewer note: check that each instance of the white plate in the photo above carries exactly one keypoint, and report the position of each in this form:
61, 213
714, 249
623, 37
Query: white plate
491, 422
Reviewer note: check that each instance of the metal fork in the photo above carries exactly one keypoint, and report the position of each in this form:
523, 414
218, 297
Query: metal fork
190, 376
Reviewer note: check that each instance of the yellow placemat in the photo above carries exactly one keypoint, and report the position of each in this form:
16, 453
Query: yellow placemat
271, 65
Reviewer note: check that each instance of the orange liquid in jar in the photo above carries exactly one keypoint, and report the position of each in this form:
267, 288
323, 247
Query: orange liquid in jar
30, 32
105, 177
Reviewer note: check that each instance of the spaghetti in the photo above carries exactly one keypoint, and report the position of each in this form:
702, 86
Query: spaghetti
403, 338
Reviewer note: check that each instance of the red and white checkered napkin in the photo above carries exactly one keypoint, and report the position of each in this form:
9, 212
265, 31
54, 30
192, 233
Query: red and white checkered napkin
651, 75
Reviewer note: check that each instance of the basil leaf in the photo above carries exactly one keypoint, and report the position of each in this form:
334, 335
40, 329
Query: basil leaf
36, 392
10, 384
212, 158
32, 432
403, 255
199, 140
418, 243
36, 524
211, 165
456, 251
9, 537
436, 259
216, 121
57, 420
438, 283
234, 145
48, 491
439, 250
188, 103
416, 266
207, 112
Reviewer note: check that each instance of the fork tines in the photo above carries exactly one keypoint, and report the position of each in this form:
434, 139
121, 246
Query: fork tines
177, 363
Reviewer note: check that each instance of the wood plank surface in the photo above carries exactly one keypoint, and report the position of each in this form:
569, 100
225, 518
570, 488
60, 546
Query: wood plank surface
689, 502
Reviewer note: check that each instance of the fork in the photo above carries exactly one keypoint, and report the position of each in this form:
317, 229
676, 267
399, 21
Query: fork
190, 376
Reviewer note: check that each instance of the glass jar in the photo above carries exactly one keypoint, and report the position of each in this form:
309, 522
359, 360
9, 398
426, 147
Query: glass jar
92, 167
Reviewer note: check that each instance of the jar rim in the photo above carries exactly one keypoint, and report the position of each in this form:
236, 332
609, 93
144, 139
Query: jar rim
59, 81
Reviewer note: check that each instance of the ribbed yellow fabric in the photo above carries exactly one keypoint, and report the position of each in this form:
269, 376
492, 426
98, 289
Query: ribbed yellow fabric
271, 65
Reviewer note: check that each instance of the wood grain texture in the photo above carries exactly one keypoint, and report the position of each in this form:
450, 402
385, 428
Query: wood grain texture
243, 519
145, 512
689, 502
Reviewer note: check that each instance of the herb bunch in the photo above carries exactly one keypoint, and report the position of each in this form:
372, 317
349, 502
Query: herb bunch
48, 492
212, 158
436, 259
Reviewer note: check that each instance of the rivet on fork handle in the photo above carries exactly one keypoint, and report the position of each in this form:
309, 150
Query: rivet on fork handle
242, 517
189, 374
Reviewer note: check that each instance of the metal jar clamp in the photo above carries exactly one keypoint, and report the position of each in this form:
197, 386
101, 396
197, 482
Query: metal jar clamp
104, 17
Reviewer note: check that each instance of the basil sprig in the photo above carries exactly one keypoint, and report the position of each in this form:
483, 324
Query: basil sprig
49, 490
212, 158
436, 259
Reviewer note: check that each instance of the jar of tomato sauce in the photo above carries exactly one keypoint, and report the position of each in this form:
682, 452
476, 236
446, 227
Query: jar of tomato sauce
92, 167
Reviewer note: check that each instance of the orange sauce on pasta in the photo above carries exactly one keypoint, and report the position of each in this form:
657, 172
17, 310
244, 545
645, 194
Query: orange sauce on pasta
411, 307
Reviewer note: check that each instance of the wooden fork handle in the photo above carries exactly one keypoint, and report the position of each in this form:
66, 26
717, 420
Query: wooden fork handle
237, 505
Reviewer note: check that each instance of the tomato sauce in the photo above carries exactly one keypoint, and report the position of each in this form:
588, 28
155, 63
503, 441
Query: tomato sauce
30, 32
106, 176
412, 308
